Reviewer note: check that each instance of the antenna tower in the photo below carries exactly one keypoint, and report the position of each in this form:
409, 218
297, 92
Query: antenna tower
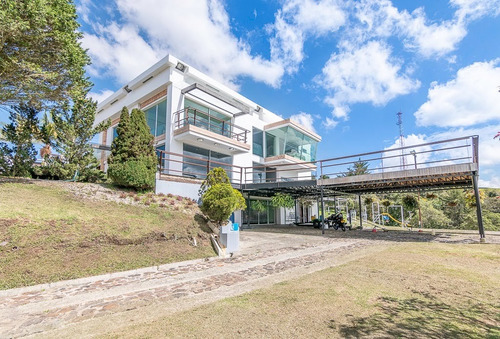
402, 160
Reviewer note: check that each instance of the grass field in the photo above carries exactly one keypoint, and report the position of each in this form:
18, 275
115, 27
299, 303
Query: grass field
47, 233
418, 290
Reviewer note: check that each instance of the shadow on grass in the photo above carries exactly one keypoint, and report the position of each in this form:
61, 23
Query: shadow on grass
424, 317
202, 223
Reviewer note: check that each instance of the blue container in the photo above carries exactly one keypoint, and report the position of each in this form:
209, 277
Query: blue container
235, 226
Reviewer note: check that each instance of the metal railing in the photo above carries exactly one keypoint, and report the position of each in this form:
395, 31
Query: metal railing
195, 117
427, 155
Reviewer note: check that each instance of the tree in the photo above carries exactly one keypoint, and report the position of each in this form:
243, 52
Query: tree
220, 199
75, 131
41, 59
215, 176
133, 159
358, 168
18, 158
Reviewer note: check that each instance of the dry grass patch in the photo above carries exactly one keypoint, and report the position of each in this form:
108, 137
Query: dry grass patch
47, 233
423, 290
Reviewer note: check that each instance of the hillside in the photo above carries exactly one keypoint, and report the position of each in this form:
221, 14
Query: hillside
53, 230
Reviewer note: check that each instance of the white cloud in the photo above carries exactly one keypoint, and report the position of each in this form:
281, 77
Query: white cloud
474, 9
431, 39
297, 21
196, 31
100, 96
119, 52
381, 19
367, 74
304, 119
471, 98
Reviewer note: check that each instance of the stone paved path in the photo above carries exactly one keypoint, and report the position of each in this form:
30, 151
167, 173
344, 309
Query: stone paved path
43, 309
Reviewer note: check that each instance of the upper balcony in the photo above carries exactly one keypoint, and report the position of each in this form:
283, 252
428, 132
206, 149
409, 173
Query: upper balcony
195, 126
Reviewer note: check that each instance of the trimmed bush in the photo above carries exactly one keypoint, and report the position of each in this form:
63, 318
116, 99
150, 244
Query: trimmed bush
139, 174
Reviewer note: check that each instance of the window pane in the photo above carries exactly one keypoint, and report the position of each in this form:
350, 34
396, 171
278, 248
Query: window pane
162, 118
151, 119
270, 149
293, 143
115, 132
270, 213
258, 142
196, 167
225, 159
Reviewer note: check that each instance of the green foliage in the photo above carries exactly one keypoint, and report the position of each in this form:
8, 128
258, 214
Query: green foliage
410, 202
470, 198
359, 167
20, 132
133, 159
282, 200
369, 199
41, 59
75, 130
431, 216
258, 206
133, 173
121, 147
215, 176
386, 203
5, 159
52, 168
219, 201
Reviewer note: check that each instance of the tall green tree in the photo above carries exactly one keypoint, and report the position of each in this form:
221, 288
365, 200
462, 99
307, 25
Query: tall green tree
41, 59
121, 149
133, 159
359, 167
19, 156
75, 131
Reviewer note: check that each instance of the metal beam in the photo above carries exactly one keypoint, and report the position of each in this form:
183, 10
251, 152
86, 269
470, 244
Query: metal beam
479, 212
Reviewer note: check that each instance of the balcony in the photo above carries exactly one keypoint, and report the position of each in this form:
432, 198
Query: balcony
195, 126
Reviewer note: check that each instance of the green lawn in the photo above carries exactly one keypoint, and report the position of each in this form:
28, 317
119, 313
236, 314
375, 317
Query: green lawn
411, 290
49, 234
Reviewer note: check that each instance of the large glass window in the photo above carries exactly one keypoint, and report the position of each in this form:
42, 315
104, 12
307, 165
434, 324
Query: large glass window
208, 118
258, 142
156, 117
198, 161
259, 217
287, 140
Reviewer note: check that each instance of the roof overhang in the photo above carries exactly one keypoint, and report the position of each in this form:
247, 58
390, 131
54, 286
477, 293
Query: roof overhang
216, 98
296, 126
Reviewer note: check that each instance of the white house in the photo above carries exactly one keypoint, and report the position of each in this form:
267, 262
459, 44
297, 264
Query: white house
199, 124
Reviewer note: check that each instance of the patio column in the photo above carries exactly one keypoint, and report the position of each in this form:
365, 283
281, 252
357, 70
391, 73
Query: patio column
479, 213
360, 212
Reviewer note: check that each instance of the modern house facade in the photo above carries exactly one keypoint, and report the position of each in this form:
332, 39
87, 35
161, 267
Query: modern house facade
199, 124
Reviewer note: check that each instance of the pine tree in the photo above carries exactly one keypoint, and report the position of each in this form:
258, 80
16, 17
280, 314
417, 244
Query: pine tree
18, 158
133, 159
121, 145
75, 132
359, 167
143, 141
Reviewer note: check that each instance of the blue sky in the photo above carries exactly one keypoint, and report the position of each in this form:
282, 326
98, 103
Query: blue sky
343, 68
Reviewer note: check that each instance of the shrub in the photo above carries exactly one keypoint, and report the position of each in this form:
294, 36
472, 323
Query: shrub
133, 159
219, 201
133, 173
